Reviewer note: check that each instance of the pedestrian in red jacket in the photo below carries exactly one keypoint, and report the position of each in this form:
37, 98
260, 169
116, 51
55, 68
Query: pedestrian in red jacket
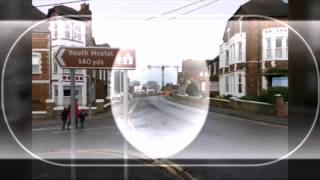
77, 114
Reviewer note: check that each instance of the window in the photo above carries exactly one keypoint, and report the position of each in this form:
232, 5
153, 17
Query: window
66, 70
56, 92
239, 83
280, 81
55, 67
227, 58
232, 83
214, 86
36, 63
67, 31
55, 31
100, 74
67, 91
220, 57
286, 48
227, 84
77, 33
77, 71
278, 48
240, 51
268, 48
231, 54
214, 69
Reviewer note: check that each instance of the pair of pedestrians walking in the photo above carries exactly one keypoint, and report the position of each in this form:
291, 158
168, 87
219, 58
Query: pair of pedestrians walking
66, 116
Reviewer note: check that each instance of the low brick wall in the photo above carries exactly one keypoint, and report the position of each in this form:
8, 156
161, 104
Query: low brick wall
241, 105
254, 107
39, 115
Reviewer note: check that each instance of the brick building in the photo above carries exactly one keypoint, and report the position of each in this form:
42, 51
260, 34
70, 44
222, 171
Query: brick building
40, 62
254, 53
194, 71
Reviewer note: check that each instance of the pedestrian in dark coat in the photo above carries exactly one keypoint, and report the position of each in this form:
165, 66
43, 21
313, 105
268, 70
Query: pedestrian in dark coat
82, 117
64, 117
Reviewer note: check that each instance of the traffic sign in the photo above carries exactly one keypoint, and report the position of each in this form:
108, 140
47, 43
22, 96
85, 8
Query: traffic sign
95, 58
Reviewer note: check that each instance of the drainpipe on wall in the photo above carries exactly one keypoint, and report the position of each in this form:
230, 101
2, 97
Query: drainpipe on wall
50, 65
259, 59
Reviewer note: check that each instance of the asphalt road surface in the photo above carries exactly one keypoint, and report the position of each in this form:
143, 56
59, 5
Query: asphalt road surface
157, 127
157, 122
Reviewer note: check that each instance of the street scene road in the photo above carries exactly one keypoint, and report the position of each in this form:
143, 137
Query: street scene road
163, 126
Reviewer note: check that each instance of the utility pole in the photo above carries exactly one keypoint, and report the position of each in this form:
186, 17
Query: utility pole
163, 67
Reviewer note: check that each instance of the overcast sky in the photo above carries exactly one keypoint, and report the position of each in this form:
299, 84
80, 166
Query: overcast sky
168, 39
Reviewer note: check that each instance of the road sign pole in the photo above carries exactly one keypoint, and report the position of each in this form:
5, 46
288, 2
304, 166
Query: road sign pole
125, 117
73, 118
90, 94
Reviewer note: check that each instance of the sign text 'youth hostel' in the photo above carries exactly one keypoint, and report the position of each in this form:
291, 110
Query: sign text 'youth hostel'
95, 58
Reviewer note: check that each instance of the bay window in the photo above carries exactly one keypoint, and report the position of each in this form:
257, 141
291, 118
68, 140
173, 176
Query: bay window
269, 48
278, 48
227, 84
227, 58
275, 43
240, 51
67, 31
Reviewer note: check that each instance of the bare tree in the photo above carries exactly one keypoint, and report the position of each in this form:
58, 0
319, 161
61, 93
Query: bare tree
134, 83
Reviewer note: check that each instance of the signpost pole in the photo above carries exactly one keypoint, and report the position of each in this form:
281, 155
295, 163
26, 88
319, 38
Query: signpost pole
125, 117
90, 94
73, 118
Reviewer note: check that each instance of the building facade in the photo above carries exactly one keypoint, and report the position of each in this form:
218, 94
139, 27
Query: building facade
40, 63
195, 71
254, 53
67, 29
213, 70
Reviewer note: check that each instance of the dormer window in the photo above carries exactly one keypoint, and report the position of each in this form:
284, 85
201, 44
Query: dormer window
67, 31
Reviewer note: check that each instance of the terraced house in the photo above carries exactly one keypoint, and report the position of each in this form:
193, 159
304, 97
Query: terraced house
254, 53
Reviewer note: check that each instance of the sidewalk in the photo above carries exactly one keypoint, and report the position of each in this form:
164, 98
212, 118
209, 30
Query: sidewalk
58, 121
251, 116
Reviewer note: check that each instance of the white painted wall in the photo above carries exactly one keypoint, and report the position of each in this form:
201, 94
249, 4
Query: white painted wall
61, 40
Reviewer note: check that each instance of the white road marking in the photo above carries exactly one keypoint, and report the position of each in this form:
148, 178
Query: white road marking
85, 129
134, 106
46, 129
